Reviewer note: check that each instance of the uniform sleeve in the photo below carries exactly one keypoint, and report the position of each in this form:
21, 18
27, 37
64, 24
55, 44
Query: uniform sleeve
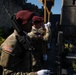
7, 47
32, 34
9, 43
31, 73
6, 71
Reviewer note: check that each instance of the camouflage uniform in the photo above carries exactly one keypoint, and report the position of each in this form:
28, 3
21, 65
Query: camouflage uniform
40, 37
10, 58
45, 35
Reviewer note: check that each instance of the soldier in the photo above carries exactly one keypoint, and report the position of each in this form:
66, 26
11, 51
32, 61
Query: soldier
40, 34
14, 59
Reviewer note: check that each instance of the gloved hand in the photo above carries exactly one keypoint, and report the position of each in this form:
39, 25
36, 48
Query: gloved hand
47, 25
43, 72
45, 57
